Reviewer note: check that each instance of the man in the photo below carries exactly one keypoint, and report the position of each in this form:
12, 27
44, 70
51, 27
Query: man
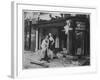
44, 46
51, 42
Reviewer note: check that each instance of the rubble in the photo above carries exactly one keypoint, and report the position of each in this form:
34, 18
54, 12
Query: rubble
32, 60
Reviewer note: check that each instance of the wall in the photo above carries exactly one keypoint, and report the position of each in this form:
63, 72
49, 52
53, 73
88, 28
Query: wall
5, 39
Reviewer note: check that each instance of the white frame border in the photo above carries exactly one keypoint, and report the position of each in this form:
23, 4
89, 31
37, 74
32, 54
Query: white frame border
17, 32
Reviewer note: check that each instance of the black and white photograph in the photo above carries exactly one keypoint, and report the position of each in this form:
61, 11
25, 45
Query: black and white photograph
55, 39
50, 40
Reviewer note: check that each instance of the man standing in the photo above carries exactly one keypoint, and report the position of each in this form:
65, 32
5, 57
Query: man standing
51, 42
44, 46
